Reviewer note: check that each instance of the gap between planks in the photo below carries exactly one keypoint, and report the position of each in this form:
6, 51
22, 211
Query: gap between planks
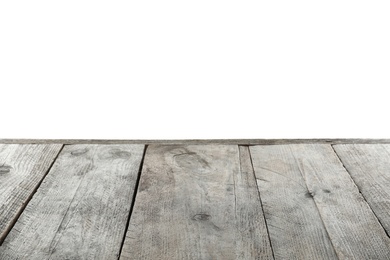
246, 147
323, 176
357, 186
93, 162
13, 222
192, 211
138, 179
133, 201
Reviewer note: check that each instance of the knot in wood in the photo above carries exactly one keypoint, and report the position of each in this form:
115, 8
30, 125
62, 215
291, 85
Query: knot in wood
5, 169
201, 217
79, 152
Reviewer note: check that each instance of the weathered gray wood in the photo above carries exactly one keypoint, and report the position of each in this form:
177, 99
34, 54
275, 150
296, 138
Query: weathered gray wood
293, 220
352, 227
22, 168
369, 166
192, 204
198, 141
81, 209
253, 239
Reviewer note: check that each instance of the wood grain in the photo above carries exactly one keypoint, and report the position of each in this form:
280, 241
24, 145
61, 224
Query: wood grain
369, 167
197, 141
294, 223
80, 211
252, 242
22, 168
194, 202
353, 228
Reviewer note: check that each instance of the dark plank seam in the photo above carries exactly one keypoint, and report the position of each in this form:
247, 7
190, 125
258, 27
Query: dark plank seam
345, 168
261, 202
13, 222
133, 200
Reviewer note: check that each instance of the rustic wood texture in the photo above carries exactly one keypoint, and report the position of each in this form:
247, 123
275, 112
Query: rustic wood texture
81, 209
197, 199
369, 166
22, 168
253, 239
198, 141
294, 223
353, 229
194, 202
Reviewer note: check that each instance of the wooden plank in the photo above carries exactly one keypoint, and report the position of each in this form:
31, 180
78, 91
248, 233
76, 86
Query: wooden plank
293, 220
353, 228
81, 209
369, 167
253, 239
22, 168
198, 141
194, 202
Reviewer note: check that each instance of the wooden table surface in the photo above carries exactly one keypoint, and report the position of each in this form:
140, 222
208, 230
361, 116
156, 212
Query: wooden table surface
195, 199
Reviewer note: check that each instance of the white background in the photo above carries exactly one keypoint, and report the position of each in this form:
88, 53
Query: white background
194, 69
